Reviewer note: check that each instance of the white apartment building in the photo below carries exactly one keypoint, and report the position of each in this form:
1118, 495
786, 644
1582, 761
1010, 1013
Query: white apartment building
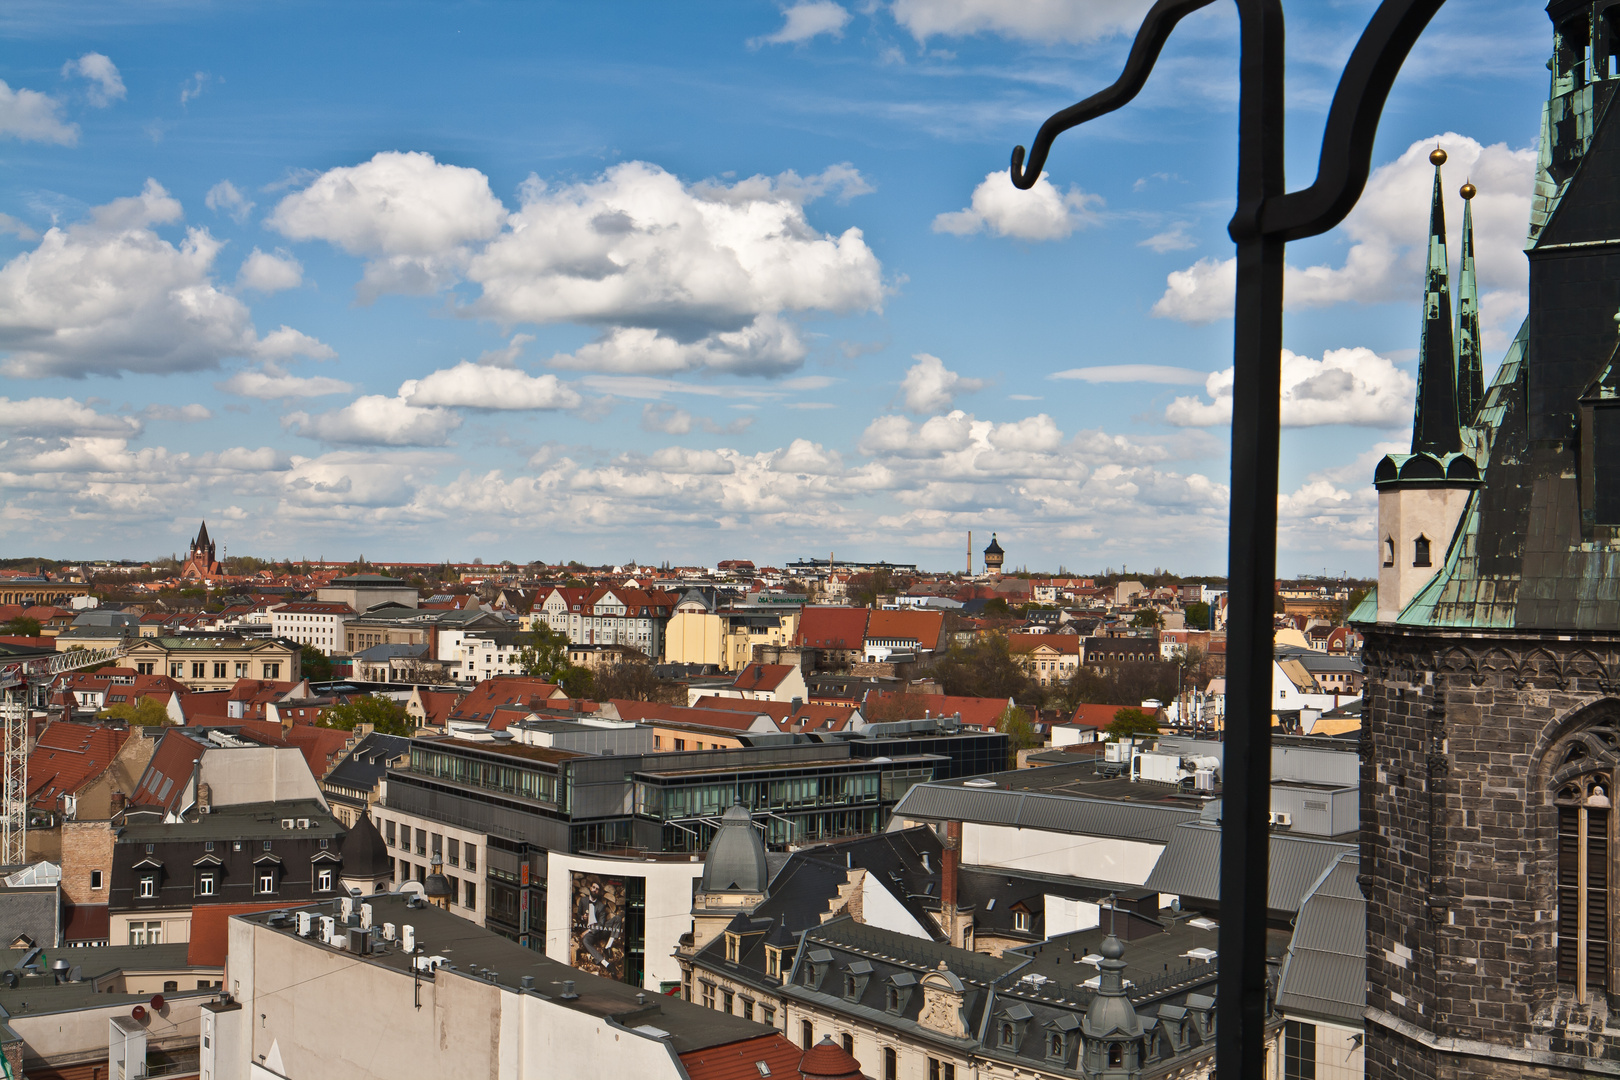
313, 622
417, 844
475, 655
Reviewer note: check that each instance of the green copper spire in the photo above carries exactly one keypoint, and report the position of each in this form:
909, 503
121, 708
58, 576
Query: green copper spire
1434, 427
1470, 357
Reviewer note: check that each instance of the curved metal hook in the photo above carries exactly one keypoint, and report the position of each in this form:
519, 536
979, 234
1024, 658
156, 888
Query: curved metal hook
1145, 50
1352, 126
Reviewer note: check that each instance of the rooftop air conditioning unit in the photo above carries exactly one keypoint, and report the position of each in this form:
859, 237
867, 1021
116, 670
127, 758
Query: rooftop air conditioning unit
1280, 817
303, 823
305, 919
286, 823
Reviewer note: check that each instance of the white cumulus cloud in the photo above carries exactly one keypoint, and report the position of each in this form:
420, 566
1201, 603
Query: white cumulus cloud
109, 294
374, 420
1346, 386
267, 273
1123, 373
285, 343
1046, 21
639, 250
1041, 213
106, 85
481, 386
931, 387
1388, 239
805, 20
411, 215
42, 416
30, 116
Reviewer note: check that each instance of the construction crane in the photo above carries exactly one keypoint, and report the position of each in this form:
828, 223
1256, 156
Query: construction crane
19, 677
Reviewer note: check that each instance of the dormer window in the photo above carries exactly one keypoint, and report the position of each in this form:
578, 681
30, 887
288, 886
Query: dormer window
1007, 1031
1021, 921
1055, 1048
1420, 551
732, 947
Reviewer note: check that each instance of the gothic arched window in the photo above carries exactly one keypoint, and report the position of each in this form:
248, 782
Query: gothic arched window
1420, 551
1583, 768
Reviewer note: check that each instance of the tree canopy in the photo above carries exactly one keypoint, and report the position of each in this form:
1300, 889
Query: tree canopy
1129, 723
142, 712
315, 664
383, 714
1020, 731
546, 657
983, 669
634, 681
21, 626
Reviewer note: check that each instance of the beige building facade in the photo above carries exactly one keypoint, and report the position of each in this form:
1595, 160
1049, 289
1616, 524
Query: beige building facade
216, 661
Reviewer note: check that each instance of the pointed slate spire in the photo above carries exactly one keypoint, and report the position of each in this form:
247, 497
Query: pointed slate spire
1470, 357
1434, 427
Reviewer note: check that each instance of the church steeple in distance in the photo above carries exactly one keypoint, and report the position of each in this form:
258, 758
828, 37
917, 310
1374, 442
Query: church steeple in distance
1470, 357
1434, 427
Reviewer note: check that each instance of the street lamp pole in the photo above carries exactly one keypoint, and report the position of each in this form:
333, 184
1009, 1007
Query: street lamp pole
1267, 217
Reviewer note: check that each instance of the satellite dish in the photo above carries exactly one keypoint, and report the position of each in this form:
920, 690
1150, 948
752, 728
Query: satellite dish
157, 1003
138, 1012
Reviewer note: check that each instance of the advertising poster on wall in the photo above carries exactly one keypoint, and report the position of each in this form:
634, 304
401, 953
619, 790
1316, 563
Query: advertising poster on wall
596, 935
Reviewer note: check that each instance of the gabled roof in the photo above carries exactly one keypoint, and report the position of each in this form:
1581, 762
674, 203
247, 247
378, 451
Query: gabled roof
808, 716
927, 628
437, 705
320, 746
1100, 716
68, 756
831, 627
762, 676
1191, 865
1326, 970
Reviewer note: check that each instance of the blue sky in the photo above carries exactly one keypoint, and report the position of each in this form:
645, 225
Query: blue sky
645, 281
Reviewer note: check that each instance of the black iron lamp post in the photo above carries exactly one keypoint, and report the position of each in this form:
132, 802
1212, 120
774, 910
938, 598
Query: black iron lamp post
1267, 217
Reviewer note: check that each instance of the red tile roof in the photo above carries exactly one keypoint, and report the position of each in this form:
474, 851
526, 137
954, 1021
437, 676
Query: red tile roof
1062, 643
976, 712
85, 922
480, 703
1100, 716
762, 676
740, 1060
927, 628
167, 774
66, 757
656, 712
809, 716
438, 704
832, 628
210, 928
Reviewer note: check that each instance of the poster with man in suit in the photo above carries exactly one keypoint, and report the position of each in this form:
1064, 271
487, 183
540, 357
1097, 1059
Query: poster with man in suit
596, 934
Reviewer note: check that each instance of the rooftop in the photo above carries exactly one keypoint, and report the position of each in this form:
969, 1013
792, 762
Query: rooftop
469, 951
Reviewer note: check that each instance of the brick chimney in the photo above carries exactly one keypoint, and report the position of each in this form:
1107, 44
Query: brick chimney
956, 923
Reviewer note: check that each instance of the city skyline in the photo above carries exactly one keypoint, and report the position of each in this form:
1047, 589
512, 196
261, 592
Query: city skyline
544, 280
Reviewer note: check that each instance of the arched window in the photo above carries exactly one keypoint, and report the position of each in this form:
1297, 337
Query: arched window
1581, 771
1583, 882
1116, 1055
1389, 551
1420, 551
1006, 1034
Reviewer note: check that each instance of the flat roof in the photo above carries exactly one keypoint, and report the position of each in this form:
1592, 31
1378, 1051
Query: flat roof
471, 951
248, 821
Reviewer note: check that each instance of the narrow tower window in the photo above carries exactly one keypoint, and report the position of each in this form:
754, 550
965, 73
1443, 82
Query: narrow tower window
1420, 551
1583, 885
1389, 551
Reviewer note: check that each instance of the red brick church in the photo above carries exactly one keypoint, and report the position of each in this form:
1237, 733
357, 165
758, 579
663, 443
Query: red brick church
200, 561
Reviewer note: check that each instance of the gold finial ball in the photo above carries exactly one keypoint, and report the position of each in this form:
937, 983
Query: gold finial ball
1437, 158
1468, 191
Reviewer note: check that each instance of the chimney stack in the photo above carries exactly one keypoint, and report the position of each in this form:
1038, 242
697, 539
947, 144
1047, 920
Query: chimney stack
947, 870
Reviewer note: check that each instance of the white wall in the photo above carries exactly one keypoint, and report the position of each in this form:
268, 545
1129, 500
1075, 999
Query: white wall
1403, 515
669, 887
80, 1035
300, 1003
253, 775
879, 907
1127, 862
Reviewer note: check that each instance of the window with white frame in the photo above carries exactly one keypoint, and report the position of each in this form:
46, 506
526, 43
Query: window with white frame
147, 888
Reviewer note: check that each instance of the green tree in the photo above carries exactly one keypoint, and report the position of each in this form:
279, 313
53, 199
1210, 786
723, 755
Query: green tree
21, 626
546, 657
1015, 724
142, 712
1198, 615
1128, 723
865, 589
996, 605
1128, 683
384, 715
1148, 617
315, 664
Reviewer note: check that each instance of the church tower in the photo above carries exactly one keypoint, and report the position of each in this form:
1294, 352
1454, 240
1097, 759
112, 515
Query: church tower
1421, 495
200, 561
1491, 740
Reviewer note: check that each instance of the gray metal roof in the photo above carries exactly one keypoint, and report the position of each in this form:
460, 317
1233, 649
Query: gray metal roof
1191, 865
1047, 812
1326, 970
